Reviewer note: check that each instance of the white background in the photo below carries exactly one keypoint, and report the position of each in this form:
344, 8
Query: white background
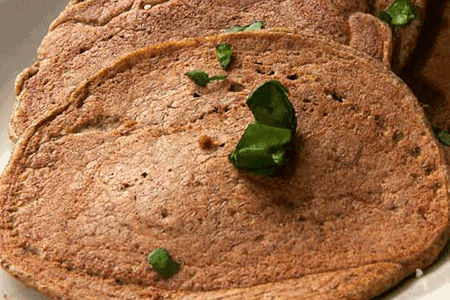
23, 24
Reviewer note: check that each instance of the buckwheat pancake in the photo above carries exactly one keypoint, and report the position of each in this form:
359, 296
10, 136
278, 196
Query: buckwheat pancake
98, 183
404, 37
428, 77
90, 35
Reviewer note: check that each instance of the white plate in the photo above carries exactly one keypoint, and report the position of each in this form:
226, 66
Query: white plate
23, 24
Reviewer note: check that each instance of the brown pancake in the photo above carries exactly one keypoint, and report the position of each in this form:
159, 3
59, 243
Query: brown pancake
101, 181
404, 37
428, 74
90, 35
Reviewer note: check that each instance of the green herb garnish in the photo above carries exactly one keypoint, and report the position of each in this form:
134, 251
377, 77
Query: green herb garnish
399, 13
201, 78
262, 149
162, 263
224, 53
266, 144
256, 25
442, 135
270, 105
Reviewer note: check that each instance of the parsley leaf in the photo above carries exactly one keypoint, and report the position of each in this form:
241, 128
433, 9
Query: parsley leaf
224, 53
262, 149
399, 13
201, 78
267, 144
162, 263
256, 25
270, 105
442, 135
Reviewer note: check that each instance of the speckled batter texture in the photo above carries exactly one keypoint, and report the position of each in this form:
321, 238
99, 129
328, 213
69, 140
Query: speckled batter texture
117, 171
90, 35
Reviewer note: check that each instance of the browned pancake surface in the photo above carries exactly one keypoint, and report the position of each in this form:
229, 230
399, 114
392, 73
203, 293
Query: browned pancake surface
99, 183
93, 34
90, 35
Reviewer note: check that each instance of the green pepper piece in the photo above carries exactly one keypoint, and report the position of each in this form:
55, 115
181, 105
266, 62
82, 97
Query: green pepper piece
224, 53
162, 263
262, 149
399, 13
270, 105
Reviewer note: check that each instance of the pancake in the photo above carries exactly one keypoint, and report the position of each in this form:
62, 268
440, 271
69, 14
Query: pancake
404, 37
117, 171
90, 35
428, 78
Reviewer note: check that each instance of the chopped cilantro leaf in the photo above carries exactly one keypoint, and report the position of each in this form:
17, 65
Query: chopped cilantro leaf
399, 13
162, 263
256, 25
201, 78
265, 146
224, 53
270, 105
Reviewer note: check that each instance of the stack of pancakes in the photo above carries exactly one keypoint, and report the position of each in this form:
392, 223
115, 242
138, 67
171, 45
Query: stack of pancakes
107, 164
